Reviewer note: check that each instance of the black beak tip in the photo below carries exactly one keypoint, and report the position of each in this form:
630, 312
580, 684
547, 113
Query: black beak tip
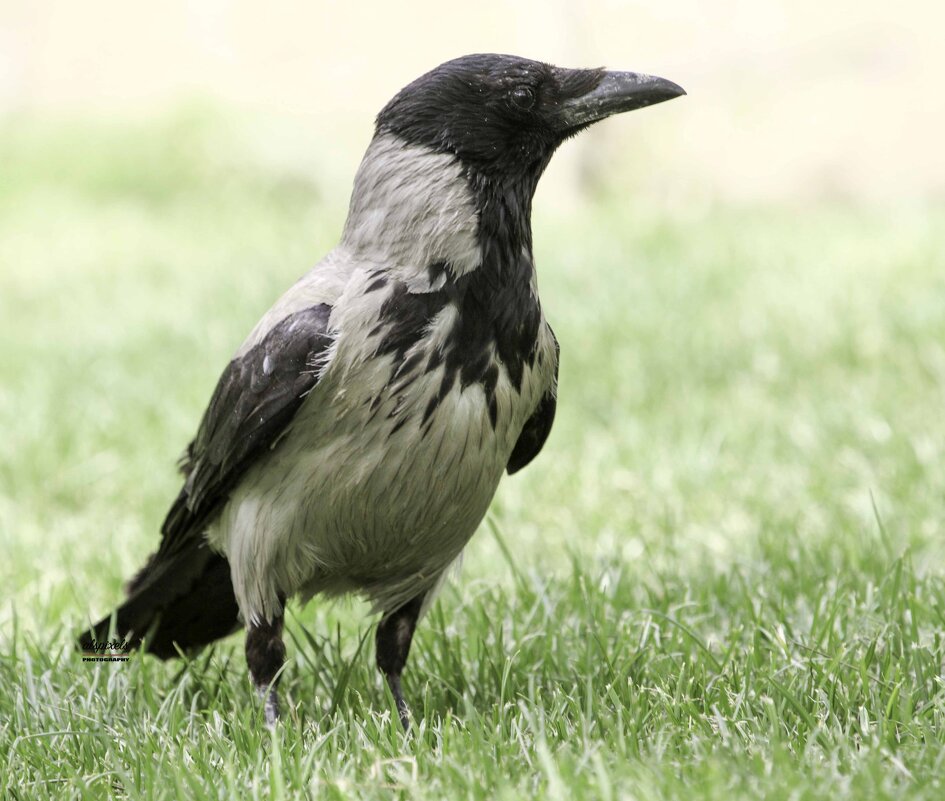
661, 89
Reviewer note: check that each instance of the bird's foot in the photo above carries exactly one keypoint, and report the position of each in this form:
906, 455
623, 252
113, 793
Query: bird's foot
403, 711
270, 705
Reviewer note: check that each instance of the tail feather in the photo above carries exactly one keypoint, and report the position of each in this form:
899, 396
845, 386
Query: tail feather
182, 600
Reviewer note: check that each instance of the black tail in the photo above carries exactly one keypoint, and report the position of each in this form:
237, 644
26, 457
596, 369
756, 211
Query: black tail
184, 599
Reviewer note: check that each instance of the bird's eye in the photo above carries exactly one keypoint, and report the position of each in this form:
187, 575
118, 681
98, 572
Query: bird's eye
523, 97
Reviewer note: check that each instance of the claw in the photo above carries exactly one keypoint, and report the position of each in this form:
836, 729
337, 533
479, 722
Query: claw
270, 705
403, 711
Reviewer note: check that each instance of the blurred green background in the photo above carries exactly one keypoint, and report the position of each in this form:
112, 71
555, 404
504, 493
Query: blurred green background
748, 285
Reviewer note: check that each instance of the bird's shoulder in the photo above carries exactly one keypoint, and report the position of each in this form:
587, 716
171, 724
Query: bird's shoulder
324, 283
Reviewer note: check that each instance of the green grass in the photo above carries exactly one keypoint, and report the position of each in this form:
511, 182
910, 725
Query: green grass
721, 579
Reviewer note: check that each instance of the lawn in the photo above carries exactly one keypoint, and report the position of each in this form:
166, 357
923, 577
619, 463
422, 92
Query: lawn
722, 578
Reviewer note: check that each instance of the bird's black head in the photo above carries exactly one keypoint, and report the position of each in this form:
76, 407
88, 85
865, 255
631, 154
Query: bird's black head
503, 116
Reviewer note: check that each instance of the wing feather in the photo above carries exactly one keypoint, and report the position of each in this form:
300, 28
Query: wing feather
253, 404
538, 426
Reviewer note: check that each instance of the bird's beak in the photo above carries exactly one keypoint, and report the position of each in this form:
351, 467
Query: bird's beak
617, 92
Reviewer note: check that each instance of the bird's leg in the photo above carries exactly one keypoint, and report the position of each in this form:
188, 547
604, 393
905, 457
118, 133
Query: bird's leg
265, 654
394, 634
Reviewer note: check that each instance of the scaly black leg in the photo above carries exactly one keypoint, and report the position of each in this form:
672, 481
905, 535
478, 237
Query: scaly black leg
394, 635
265, 655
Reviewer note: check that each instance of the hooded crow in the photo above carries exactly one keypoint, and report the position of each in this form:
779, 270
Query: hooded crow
355, 441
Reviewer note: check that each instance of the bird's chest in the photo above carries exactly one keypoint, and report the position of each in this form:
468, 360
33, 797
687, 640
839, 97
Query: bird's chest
427, 406
440, 381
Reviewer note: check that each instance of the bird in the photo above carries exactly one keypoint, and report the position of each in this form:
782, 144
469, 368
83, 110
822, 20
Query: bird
354, 442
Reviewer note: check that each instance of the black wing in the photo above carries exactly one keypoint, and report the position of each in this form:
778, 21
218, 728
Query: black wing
254, 401
538, 426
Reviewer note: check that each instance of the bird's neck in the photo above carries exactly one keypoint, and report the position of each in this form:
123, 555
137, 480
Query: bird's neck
412, 207
505, 210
